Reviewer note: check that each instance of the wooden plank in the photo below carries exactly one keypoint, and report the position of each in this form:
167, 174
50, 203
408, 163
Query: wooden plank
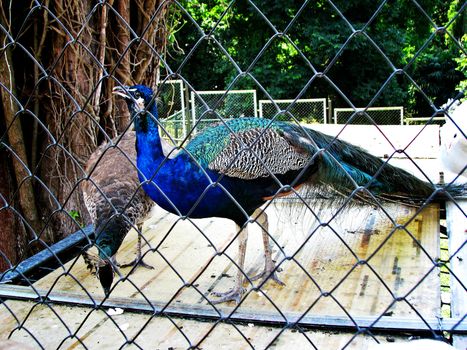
206, 313
421, 143
94, 329
418, 141
321, 252
302, 246
456, 221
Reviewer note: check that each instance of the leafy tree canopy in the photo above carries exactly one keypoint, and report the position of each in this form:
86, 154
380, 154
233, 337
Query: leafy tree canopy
370, 53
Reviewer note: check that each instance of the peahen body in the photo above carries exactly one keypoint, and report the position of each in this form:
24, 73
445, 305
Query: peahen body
231, 169
115, 202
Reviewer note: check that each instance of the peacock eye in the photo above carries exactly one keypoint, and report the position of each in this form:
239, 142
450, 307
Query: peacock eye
455, 135
137, 95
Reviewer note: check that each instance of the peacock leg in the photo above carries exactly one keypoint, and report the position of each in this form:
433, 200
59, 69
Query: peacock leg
270, 270
235, 294
138, 261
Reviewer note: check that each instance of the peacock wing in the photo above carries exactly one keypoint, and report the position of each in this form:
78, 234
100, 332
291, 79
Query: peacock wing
250, 148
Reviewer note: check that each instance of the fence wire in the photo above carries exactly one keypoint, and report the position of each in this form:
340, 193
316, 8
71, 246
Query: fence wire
343, 267
381, 116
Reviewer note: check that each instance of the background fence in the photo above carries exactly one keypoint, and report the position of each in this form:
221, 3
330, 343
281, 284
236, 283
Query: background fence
178, 119
377, 115
173, 109
303, 110
354, 277
224, 104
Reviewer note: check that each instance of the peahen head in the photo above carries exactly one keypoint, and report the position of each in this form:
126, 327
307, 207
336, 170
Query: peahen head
105, 270
102, 267
140, 100
105, 273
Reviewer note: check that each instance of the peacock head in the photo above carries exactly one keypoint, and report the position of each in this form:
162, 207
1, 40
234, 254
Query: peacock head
140, 100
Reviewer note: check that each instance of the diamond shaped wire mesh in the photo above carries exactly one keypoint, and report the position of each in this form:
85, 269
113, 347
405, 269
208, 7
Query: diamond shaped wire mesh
357, 265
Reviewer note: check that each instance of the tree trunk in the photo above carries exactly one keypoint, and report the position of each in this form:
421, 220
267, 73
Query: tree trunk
73, 126
123, 72
65, 90
26, 198
12, 232
153, 28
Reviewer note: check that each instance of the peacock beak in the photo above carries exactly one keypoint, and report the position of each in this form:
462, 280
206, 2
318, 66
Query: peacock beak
122, 91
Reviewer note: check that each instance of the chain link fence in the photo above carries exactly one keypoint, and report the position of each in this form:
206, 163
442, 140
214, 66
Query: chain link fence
303, 110
330, 267
376, 115
173, 109
208, 107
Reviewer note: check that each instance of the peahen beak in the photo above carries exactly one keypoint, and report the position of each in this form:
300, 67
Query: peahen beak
106, 276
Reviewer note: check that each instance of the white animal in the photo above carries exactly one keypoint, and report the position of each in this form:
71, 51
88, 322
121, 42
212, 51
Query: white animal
453, 150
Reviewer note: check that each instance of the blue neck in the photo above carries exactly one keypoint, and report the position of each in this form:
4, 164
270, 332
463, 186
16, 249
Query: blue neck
145, 121
148, 141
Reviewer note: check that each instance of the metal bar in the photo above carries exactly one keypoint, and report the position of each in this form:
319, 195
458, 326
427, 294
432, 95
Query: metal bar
422, 119
221, 92
361, 109
324, 111
301, 100
456, 223
207, 313
48, 256
297, 102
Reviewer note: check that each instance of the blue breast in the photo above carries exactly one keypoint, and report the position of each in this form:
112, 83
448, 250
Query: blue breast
181, 187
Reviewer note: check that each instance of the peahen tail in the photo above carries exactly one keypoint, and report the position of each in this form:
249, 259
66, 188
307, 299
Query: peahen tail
345, 167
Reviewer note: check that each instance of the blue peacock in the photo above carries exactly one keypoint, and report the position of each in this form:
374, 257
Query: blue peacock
231, 169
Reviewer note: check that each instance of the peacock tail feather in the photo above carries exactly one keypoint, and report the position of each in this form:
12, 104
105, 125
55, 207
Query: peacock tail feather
250, 148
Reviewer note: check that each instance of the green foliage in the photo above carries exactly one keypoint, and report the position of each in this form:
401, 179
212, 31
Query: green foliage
75, 215
231, 38
462, 67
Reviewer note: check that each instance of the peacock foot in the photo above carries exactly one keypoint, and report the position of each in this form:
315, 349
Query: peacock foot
138, 262
235, 294
269, 274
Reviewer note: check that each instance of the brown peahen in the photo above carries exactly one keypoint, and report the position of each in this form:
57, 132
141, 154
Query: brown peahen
115, 202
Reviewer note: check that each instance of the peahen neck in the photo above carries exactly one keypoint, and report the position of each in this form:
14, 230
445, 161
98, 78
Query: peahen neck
110, 234
105, 251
